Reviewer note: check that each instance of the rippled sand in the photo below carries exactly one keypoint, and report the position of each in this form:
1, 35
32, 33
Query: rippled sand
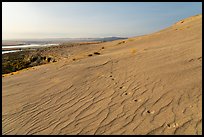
143, 85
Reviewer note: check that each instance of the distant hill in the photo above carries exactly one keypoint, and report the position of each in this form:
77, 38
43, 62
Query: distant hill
59, 40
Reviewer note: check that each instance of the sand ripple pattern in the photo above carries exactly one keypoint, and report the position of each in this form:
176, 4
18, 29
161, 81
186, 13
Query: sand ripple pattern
156, 90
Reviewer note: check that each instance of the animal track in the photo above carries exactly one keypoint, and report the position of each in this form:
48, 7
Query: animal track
150, 112
195, 59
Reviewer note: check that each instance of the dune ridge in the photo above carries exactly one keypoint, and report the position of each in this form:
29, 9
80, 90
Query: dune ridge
143, 85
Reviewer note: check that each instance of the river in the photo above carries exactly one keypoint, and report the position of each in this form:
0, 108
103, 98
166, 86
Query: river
17, 47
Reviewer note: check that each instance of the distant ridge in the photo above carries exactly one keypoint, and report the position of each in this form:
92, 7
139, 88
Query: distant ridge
61, 40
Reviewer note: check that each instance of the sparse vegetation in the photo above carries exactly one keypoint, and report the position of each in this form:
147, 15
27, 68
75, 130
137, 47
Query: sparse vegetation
97, 53
121, 42
133, 51
17, 61
130, 39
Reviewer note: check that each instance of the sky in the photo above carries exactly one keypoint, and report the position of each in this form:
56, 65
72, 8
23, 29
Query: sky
38, 20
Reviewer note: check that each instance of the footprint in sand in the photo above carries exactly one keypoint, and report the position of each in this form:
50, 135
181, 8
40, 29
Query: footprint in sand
111, 77
200, 58
190, 60
150, 111
138, 100
173, 125
125, 94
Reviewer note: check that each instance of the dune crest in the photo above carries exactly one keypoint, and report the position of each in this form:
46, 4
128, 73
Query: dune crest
143, 85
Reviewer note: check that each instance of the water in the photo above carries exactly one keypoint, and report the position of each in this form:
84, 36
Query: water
24, 46
9, 51
28, 46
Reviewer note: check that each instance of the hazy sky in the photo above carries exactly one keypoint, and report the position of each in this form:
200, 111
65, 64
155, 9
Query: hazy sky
89, 19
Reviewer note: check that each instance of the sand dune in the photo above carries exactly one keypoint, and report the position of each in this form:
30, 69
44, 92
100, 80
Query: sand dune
143, 85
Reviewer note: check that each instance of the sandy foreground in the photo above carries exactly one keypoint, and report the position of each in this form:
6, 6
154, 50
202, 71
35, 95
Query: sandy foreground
144, 85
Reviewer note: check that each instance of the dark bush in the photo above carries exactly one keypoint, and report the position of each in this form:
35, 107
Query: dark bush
33, 59
121, 42
17, 61
49, 59
97, 53
43, 58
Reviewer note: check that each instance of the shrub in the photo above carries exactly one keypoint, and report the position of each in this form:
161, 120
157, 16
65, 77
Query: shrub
49, 59
121, 42
97, 53
133, 51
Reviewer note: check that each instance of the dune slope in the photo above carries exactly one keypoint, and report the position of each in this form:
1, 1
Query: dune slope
143, 85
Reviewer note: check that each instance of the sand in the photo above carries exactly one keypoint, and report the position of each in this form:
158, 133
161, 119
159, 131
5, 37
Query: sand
143, 85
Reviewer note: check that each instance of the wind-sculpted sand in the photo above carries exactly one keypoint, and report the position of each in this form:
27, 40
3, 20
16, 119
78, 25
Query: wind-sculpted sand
144, 85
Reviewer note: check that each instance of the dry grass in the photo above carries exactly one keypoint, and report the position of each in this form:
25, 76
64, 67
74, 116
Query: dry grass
133, 51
